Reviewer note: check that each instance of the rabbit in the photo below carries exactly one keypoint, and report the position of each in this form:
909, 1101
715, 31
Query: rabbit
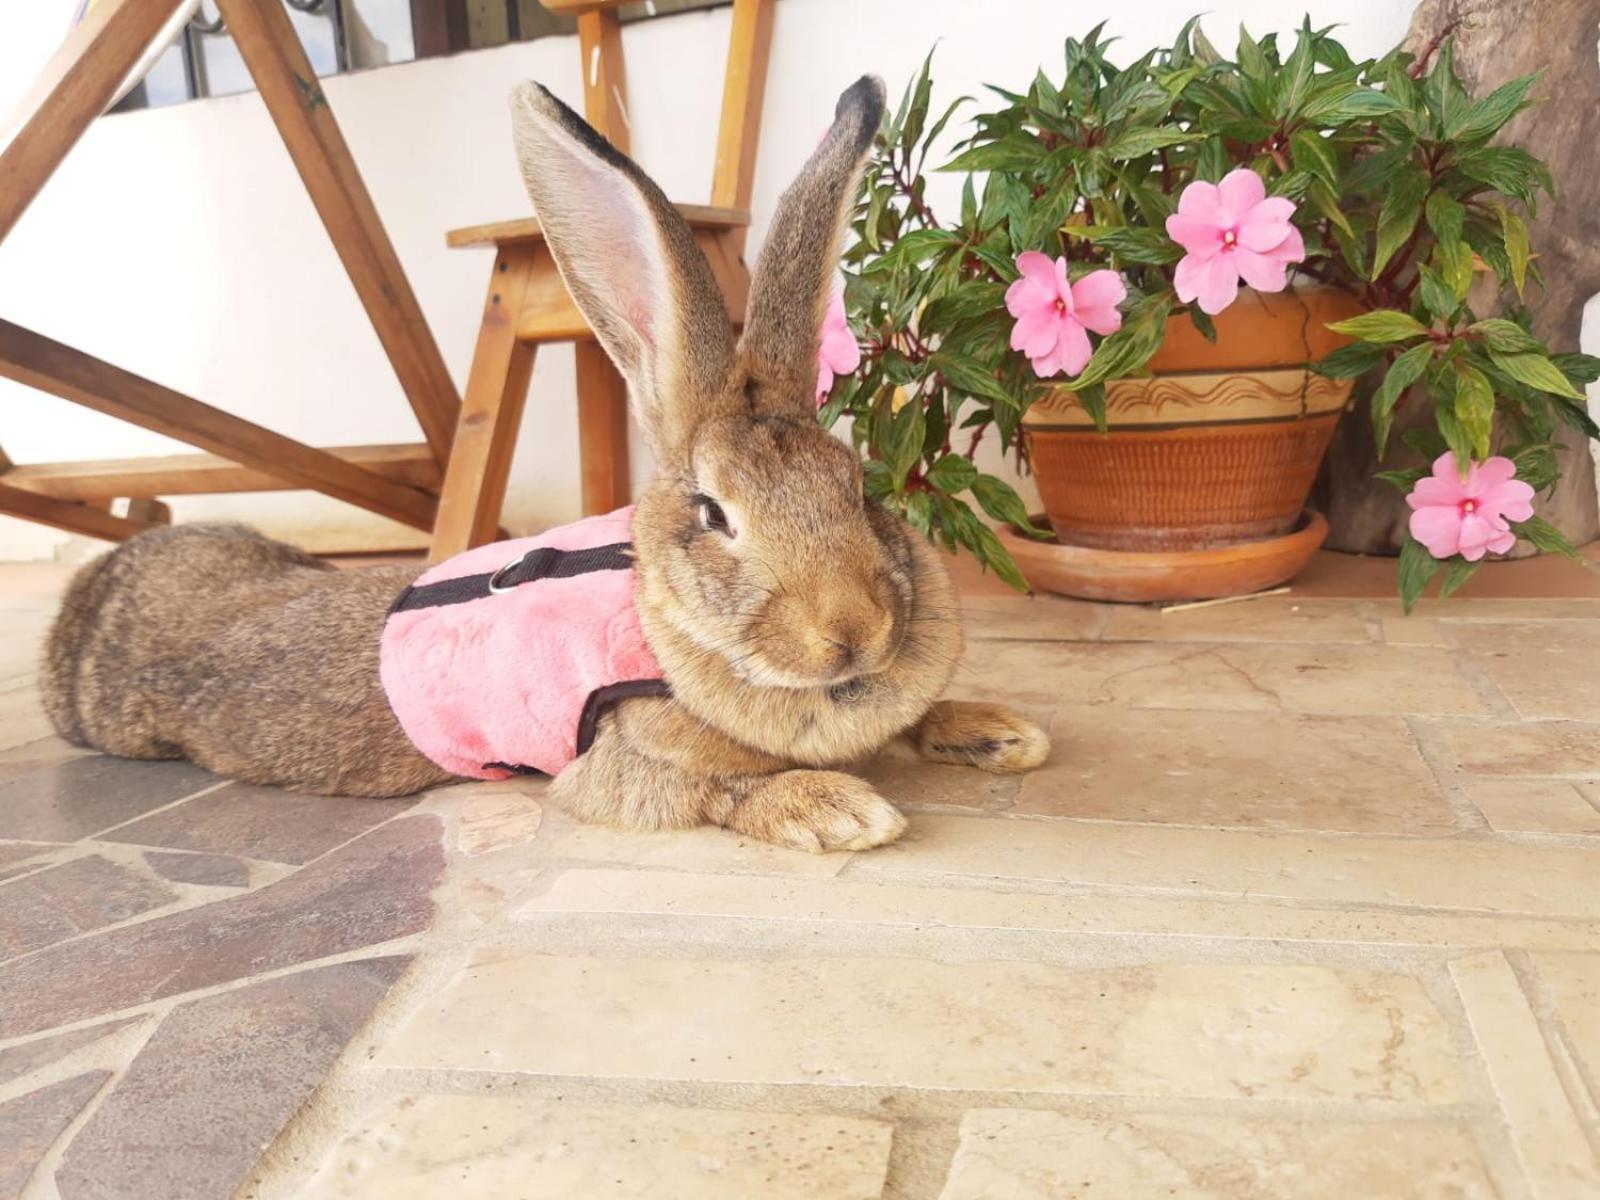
799, 627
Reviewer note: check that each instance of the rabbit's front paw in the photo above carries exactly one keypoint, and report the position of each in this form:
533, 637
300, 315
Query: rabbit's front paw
817, 811
988, 736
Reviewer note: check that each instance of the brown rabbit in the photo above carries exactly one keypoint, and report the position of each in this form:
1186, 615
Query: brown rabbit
798, 626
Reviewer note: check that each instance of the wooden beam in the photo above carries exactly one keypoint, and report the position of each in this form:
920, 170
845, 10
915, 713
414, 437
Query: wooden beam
743, 89
37, 361
205, 474
602, 431
527, 229
497, 389
65, 515
605, 78
74, 88
294, 97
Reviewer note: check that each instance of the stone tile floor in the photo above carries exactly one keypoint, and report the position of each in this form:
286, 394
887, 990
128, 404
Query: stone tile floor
1306, 904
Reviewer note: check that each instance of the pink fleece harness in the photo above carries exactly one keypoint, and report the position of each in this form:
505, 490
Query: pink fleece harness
501, 661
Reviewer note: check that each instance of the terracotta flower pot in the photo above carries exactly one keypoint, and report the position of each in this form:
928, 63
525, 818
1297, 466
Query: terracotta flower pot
1220, 444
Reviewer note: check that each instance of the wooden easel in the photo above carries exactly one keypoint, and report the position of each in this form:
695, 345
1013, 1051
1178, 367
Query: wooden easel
527, 305
398, 481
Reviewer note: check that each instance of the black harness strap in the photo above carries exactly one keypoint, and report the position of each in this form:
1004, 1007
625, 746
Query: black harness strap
542, 562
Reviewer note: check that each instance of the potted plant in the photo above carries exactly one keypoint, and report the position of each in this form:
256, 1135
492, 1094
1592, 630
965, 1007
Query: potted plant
1162, 283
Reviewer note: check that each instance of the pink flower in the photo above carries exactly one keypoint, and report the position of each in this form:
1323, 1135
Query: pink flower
838, 354
1468, 516
1052, 315
1232, 232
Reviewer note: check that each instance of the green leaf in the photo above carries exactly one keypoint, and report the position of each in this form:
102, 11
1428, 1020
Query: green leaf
952, 474
1252, 61
1445, 217
1446, 98
1486, 116
1015, 152
1545, 536
1003, 504
1405, 371
967, 376
1405, 479
1438, 297
980, 539
1326, 203
899, 434
1456, 572
1537, 371
1354, 103
1453, 261
916, 248
1579, 368
1517, 249
1135, 143
1474, 407
1508, 169
917, 114
919, 512
1506, 337
1312, 153
1347, 362
1536, 466
1417, 567
1402, 206
972, 299
1133, 243
1382, 325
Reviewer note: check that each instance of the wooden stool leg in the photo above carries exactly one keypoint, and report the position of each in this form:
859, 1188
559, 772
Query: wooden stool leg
602, 431
474, 486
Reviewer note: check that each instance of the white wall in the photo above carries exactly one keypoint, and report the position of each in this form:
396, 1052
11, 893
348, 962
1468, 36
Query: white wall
177, 242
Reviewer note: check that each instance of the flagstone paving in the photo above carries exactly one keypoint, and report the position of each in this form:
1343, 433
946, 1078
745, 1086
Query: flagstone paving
1305, 905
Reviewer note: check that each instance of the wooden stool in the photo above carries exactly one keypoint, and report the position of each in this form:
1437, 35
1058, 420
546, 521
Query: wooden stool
527, 304
396, 481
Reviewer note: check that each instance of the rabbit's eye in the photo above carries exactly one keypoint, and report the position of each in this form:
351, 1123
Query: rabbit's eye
712, 518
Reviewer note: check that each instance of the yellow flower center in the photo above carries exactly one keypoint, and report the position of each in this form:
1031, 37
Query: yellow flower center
1469, 506
1229, 238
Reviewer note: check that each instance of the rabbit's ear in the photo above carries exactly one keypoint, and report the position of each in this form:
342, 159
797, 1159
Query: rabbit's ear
794, 277
630, 263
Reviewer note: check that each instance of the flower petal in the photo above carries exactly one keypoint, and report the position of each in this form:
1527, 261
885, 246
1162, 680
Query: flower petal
1438, 528
1075, 348
1038, 268
841, 351
1095, 298
1197, 236
1291, 250
1267, 224
1047, 365
1026, 294
1201, 202
1476, 534
1502, 542
1490, 474
1240, 191
1216, 283
824, 383
1036, 332
1260, 271
1511, 501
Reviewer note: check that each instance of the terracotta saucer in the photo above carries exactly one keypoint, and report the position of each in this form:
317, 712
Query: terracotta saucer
1136, 577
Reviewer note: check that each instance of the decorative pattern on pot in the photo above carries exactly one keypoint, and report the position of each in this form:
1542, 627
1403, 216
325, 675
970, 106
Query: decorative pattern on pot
1181, 399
